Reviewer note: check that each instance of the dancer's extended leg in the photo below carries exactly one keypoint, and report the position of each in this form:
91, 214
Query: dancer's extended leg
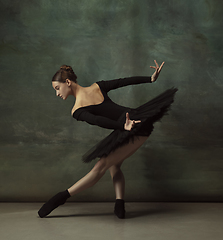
99, 170
114, 158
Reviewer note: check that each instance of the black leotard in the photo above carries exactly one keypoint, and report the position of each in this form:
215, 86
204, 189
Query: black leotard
107, 113
112, 116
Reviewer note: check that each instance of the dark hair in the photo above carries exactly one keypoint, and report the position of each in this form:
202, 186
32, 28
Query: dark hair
65, 72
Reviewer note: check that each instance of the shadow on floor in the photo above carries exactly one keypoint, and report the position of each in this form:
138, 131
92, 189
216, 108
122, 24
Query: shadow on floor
129, 213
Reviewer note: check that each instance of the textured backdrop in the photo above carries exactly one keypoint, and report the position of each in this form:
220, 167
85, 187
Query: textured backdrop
41, 144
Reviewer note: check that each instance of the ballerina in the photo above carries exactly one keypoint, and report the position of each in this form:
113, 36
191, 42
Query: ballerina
131, 128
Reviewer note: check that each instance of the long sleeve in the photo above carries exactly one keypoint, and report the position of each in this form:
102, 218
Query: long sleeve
121, 82
100, 121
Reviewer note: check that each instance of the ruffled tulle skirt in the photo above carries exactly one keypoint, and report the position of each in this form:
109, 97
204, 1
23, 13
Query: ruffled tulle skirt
148, 113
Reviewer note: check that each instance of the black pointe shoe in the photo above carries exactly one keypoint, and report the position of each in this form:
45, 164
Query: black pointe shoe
57, 200
120, 208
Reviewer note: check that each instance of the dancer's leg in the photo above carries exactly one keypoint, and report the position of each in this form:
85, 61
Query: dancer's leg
89, 179
118, 177
119, 186
114, 158
118, 181
95, 174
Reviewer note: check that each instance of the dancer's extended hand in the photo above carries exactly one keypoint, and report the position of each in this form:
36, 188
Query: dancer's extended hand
157, 72
129, 124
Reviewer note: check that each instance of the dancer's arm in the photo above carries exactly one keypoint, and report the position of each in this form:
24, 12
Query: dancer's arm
100, 121
122, 82
106, 122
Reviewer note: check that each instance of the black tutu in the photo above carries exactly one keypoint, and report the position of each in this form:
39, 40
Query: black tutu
148, 113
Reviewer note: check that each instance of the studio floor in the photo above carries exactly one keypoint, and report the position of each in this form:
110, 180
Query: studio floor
158, 221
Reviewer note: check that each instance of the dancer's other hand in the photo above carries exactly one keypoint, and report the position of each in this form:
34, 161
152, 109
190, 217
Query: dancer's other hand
129, 124
157, 72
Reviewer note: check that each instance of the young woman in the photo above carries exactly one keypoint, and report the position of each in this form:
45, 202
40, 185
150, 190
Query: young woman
131, 129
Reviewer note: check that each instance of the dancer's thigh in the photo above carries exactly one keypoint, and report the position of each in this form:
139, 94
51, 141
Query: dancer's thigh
120, 154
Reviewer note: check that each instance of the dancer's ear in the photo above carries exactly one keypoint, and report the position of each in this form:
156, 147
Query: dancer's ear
68, 82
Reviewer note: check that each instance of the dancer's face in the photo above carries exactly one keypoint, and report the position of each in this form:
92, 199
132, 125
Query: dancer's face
63, 90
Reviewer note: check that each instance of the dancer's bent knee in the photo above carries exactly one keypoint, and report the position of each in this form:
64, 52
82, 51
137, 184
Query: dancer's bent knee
100, 167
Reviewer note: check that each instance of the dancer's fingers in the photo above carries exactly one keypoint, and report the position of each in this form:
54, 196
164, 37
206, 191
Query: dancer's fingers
127, 116
153, 67
156, 64
161, 66
137, 121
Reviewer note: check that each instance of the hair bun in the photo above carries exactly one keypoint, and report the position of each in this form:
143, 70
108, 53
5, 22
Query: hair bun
65, 72
66, 68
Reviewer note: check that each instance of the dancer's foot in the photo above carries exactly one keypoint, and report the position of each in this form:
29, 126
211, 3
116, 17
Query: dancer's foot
119, 208
57, 200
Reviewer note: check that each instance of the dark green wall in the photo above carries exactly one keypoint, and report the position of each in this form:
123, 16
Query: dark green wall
41, 145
